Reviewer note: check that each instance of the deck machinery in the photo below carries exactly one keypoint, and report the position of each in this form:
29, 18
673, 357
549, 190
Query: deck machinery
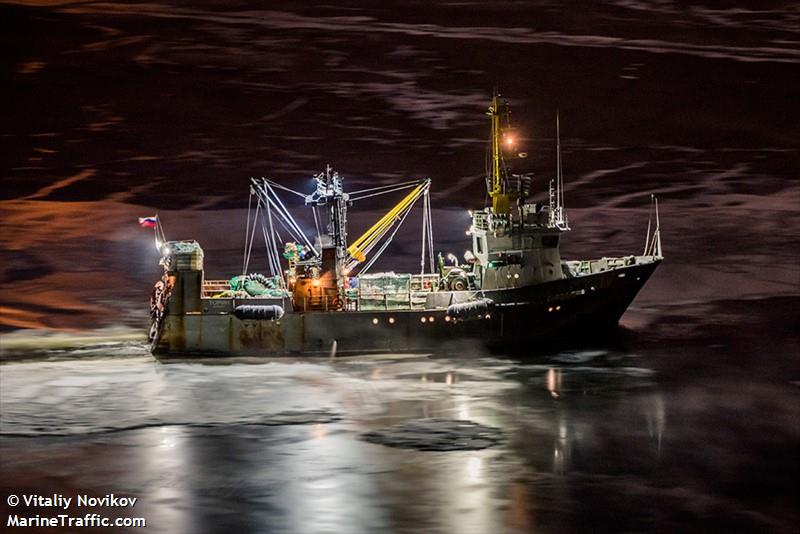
320, 297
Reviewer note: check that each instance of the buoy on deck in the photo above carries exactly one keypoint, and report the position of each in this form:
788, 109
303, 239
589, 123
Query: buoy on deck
473, 309
268, 312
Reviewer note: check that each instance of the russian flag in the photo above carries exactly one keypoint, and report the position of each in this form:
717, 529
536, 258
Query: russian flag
148, 222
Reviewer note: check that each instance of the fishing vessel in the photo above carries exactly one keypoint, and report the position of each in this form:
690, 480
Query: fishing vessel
319, 296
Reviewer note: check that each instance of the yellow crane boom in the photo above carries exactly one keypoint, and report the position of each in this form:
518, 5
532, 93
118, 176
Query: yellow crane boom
361, 245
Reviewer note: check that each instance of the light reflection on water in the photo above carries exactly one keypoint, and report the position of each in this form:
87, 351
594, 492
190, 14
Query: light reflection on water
232, 443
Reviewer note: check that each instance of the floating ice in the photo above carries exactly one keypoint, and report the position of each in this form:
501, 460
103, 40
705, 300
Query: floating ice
436, 435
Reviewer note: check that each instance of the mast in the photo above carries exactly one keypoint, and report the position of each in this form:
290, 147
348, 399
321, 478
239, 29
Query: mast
498, 178
337, 210
658, 231
558, 162
330, 194
652, 243
560, 213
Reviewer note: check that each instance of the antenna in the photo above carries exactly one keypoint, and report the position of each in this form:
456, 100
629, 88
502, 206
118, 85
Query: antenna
658, 231
558, 161
649, 223
560, 212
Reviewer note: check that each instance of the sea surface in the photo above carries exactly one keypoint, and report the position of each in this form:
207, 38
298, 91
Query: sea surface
633, 434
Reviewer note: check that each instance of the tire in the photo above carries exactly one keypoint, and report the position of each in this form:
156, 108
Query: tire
458, 284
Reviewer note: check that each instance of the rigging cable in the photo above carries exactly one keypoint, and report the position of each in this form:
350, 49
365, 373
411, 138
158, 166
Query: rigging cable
430, 229
649, 223
247, 232
399, 188
282, 218
270, 265
252, 238
279, 186
385, 244
385, 188
272, 247
288, 217
316, 225
424, 234
367, 241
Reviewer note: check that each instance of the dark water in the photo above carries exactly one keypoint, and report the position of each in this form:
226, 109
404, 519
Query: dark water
642, 435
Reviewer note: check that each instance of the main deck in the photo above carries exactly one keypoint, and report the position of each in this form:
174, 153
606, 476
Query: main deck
593, 299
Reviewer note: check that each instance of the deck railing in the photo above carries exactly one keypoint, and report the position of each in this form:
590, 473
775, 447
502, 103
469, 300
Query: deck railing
215, 287
410, 295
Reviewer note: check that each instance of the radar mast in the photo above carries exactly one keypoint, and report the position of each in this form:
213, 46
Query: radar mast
497, 181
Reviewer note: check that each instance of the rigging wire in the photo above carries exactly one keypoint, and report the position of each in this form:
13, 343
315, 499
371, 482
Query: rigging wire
371, 237
284, 212
375, 239
159, 230
386, 243
424, 233
280, 186
275, 267
393, 187
247, 232
384, 192
284, 217
657, 235
252, 238
288, 230
430, 229
267, 243
268, 200
316, 224
649, 223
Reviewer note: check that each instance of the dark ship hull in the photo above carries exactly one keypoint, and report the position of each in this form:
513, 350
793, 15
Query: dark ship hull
522, 318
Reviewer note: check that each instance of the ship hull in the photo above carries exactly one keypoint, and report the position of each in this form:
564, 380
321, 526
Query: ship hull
522, 318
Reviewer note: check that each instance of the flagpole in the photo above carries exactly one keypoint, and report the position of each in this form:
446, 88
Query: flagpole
159, 232
158, 229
